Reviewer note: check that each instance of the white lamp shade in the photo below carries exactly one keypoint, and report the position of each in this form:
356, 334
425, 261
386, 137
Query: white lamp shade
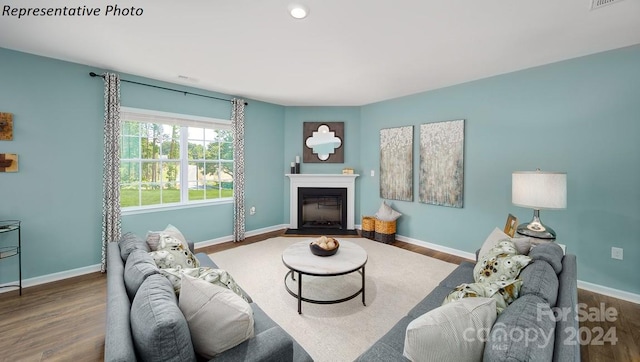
539, 189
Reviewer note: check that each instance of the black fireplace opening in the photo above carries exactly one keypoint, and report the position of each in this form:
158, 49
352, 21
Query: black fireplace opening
322, 208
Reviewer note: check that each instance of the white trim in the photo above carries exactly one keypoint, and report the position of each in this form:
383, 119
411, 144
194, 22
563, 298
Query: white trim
168, 116
615, 293
444, 249
54, 277
135, 210
229, 238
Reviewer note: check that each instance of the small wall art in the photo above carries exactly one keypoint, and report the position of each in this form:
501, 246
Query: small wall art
323, 142
396, 163
6, 126
8, 162
442, 163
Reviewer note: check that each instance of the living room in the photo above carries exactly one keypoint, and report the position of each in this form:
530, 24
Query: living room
580, 116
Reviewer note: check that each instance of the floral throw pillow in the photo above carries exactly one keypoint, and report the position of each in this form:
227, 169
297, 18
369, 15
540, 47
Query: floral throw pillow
504, 292
173, 254
502, 263
214, 276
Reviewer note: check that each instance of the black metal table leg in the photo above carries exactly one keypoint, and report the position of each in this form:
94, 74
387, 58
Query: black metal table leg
299, 293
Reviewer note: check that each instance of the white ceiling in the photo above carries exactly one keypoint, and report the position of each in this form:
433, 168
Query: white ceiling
346, 52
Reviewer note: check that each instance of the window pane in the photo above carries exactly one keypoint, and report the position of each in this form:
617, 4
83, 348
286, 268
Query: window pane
225, 135
130, 128
171, 142
226, 151
171, 173
213, 151
196, 181
130, 147
150, 193
196, 150
130, 194
196, 133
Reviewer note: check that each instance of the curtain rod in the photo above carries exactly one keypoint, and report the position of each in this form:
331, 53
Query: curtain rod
92, 74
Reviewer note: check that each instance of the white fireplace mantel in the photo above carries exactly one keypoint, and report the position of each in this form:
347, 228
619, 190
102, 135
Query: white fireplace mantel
347, 181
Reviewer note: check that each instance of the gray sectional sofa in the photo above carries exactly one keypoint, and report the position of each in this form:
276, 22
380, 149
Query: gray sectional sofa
549, 284
129, 323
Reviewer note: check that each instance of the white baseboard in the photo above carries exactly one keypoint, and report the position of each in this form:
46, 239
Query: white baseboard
444, 249
228, 238
54, 277
615, 293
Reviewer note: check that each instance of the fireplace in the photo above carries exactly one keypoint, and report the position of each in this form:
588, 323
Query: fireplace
326, 182
322, 208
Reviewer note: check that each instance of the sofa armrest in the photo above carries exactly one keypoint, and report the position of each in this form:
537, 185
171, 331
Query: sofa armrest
274, 344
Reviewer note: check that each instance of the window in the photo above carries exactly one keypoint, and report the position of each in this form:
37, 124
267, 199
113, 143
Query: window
170, 159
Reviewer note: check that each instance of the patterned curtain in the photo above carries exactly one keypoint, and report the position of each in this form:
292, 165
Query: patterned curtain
111, 229
237, 118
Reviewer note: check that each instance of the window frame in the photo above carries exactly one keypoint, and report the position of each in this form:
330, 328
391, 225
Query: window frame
185, 121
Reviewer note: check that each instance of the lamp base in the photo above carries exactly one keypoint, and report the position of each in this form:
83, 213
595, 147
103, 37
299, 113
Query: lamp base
536, 229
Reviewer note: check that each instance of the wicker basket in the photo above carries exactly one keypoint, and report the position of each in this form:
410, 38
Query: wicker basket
385, 231
368, 227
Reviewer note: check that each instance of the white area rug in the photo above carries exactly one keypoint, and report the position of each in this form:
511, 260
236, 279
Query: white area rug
395, 281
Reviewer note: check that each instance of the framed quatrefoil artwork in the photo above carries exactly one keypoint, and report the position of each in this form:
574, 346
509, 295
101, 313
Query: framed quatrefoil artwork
323, 142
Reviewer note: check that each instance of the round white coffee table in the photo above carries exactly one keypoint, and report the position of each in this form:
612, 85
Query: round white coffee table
349, 258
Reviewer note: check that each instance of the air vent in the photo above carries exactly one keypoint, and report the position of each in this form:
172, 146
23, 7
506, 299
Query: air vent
596, 4
187, 78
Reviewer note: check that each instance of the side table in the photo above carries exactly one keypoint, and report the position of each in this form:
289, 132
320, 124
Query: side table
7, 230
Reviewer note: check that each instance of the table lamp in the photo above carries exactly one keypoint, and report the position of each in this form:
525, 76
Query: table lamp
538, 190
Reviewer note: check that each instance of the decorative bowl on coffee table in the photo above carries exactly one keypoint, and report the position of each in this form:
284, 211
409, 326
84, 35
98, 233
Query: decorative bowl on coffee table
324, 246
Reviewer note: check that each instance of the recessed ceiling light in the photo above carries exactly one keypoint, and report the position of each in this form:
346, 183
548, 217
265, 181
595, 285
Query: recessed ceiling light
298, 11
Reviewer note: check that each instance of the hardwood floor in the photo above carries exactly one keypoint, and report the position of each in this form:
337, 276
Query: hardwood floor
65, 320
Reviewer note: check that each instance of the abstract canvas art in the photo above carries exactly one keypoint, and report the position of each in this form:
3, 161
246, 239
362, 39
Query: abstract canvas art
396, 163
442, 163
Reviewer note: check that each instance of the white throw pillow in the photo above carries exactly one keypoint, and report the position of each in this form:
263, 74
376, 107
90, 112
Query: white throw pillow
218, 318
456, 331
386, 213
522, 244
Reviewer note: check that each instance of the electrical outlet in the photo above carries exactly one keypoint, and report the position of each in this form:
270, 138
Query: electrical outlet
616, 253
373, 173
252, 210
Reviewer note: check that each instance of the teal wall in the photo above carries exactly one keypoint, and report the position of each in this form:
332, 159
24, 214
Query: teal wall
58, 117
581, 116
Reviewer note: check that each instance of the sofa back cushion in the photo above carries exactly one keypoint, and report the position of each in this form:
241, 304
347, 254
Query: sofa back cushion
550, 252
540, 279
130, 242
523, 332
138, 267
160, 331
